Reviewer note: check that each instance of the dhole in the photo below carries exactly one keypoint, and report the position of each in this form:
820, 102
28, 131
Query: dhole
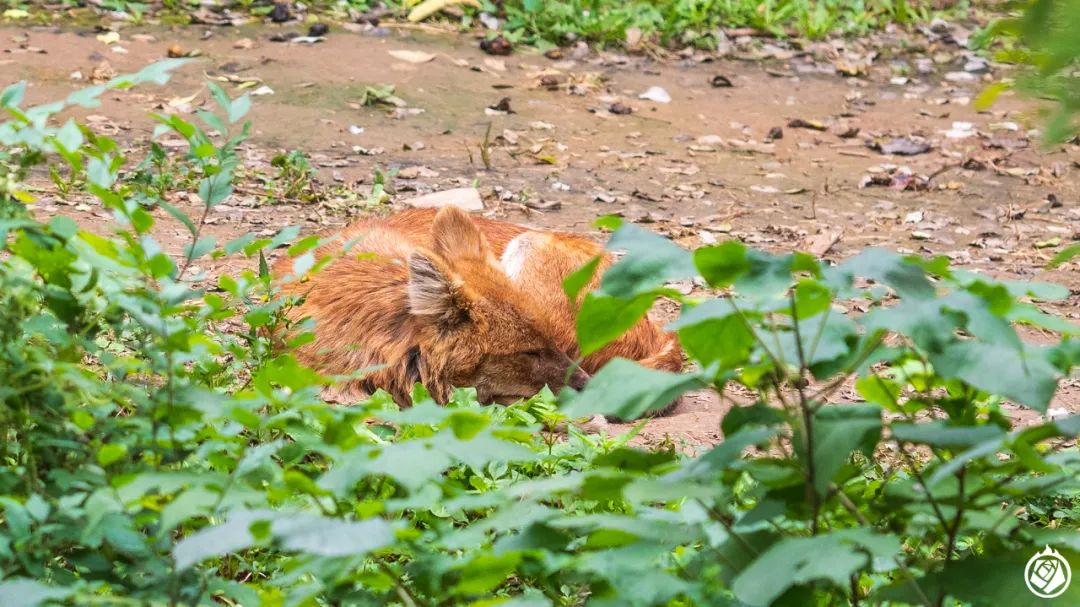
434, 306
538, 262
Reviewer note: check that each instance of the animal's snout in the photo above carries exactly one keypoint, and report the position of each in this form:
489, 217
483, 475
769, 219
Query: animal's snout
578, 379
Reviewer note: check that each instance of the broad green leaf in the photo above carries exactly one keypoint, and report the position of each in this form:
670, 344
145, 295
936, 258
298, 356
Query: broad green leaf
466, 423
70, 137
626, 390
1025, 377
240, 107
21, 592
111, 453
580, 278
328, 537
649, 262
769, 276
832, 557
215, 189
13, 94
938, 433
723, 455
906, 278
992, 580
214, 122
838, 430
1065, 255
756, 414
483, 573
721, 265
231, 536
603, 318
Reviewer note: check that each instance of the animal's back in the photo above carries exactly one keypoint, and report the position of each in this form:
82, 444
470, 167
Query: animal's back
361, 306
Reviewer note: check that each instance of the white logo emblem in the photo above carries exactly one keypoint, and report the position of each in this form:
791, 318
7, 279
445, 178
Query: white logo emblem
1047, 574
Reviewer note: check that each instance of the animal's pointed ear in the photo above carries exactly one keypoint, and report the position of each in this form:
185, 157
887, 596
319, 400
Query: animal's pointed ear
433, 289
456, 235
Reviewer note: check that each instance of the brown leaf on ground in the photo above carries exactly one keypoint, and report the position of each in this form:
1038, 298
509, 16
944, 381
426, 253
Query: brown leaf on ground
821, 243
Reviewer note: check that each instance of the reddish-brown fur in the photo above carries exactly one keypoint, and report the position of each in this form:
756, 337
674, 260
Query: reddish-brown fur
431, 303
544, 260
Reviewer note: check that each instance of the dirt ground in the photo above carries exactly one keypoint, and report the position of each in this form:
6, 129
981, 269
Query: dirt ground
697, 168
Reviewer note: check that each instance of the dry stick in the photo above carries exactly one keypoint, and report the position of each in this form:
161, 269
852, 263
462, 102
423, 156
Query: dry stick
485, 148
854, 511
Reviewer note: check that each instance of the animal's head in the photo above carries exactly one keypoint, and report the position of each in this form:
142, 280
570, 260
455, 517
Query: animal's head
478, 328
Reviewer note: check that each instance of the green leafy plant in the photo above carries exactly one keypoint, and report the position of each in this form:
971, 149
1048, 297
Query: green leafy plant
295, 175
378, 194
1041, 39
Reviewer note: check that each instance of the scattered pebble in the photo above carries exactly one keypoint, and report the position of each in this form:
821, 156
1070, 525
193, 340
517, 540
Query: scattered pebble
657, 94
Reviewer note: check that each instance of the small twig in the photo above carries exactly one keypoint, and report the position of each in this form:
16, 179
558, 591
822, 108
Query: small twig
485, 148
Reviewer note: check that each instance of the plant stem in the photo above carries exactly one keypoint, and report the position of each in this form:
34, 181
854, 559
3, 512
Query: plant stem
850, 506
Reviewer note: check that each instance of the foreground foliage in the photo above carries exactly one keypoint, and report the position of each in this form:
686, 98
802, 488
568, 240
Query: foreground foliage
157, 451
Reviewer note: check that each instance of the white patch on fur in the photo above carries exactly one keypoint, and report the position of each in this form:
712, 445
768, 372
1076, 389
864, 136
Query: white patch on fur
517, 251
428, 290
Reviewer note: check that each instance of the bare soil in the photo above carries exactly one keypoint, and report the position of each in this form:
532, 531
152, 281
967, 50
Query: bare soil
695, 169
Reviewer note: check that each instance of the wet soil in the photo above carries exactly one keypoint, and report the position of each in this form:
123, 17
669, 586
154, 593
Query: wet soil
696, 169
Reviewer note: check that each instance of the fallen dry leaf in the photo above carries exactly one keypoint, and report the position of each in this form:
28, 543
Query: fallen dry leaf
821, 243
412, 56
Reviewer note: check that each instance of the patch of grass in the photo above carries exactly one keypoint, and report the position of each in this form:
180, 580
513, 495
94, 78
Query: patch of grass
695, 22
676, 23
295, 175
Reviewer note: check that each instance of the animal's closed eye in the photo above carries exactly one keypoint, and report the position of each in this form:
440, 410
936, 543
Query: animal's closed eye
534, 353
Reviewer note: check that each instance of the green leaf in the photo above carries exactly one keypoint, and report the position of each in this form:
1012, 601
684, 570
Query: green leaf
1025, 377
580, 278
838, 430
603, 318
231, 536
793, 561
19, 592
721, 265
466, 423
220, 96
1064, 255
179, 215
240, 107
906, 278
70, 137
723, 455
13, 94
215, 189
111, 453
213, 122
327, 537
938, 433
200, 247
989, 95
811, 298
485, 572
650, 261
994, 579
757, 414
626, 390
99, 173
